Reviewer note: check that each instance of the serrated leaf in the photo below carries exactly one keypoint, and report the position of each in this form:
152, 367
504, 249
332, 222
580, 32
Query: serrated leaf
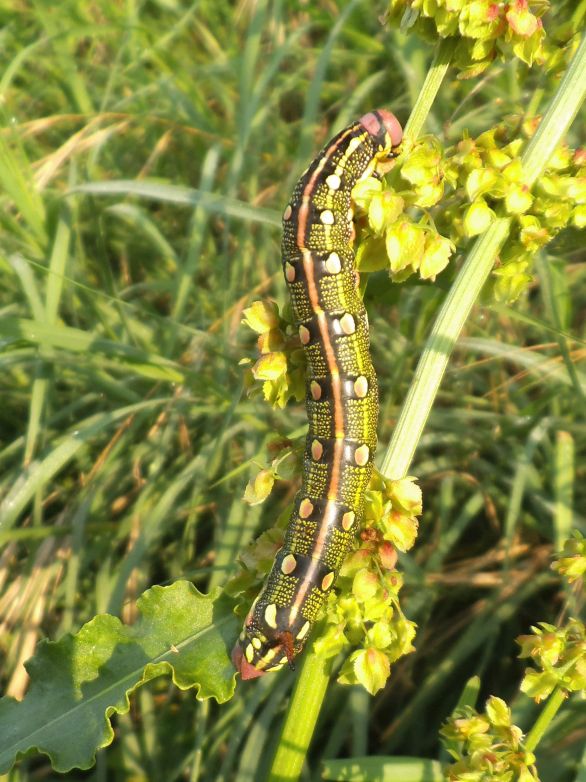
80, 681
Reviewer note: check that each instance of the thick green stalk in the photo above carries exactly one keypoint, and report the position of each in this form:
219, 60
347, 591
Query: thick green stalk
302, 715
550, 709
473, 275
429, 90
310, 690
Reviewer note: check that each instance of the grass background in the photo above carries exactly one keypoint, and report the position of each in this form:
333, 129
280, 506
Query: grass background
125, 437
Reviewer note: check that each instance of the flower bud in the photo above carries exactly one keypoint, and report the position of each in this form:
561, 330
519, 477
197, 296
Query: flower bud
261, 316
404, 243
436, 256
271, 366
372, 669
477, 218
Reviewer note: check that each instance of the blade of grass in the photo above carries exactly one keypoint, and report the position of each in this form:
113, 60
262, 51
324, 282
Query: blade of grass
564, 473
178, 194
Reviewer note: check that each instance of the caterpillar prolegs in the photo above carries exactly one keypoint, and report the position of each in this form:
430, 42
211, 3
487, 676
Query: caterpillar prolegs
341, 400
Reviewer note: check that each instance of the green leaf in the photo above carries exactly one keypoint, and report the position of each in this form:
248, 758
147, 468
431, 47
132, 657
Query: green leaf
78, 682
383, 769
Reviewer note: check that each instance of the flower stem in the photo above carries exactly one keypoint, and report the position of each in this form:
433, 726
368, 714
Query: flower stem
550, 709
429, 90
302, 715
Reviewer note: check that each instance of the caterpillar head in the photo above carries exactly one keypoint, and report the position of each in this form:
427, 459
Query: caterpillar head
268, 641
384, 128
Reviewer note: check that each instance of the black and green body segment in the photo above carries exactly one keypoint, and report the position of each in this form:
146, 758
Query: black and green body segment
342, 395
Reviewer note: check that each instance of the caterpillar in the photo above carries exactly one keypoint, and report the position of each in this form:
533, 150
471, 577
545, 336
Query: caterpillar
341, 398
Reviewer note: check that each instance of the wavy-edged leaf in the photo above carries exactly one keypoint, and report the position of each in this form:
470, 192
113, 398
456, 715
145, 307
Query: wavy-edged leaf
80, 681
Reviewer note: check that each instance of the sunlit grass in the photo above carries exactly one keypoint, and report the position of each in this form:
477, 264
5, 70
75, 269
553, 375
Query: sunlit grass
145, 156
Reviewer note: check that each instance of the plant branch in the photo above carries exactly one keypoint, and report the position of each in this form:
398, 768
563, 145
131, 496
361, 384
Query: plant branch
302, 715
549, 711
430, 88
473, 275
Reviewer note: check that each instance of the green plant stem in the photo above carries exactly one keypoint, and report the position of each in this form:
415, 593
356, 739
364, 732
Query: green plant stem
560, 114
311, 686
473, 275
438, 348
549, 711
429, 90
302, 715
313, 679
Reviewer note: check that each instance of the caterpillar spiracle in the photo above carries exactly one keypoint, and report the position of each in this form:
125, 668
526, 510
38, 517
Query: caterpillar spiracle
341, 400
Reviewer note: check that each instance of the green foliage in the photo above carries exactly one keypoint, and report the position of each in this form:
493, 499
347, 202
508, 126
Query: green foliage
79, 682
146, 153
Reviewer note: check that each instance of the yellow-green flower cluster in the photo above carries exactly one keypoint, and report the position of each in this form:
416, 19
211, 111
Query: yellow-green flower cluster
283, 467
366, 611
487, 746
407, 230
571, 563
488, 171
481, 29
281, 366
560, 656
390, 235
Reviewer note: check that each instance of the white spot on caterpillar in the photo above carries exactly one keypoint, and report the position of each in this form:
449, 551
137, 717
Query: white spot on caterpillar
249, 653
289, 272
288, 212
327, 581
315, 390
327, 217
271, 616
348, 324
350, 214
348, 520
333, 265
256, 642
333, 182
354, 144
288, 564
303, 632
305, 508
317, 450
361, 455
361, 387
304, 335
